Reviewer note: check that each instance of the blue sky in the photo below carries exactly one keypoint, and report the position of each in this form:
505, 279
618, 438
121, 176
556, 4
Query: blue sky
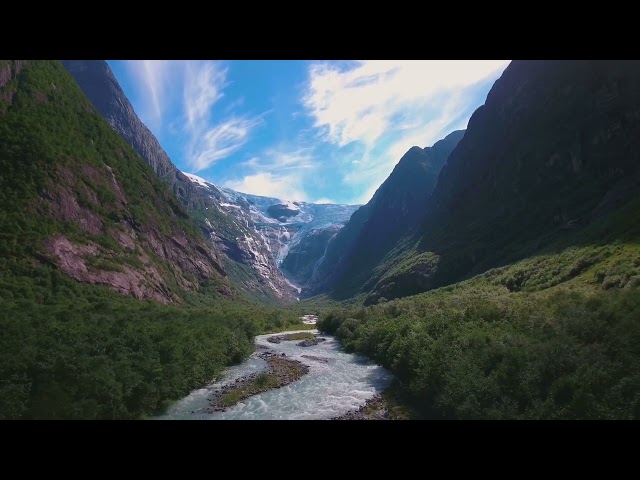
324, 132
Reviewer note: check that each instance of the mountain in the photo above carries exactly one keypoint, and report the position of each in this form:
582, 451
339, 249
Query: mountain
554, 148
77, 197
281, 233
103, 90
246, 259
374, 229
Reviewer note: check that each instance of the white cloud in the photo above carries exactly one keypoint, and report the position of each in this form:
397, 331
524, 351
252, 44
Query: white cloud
217, 142
389, 106
153, 78
323, 201
189, 91
284, 187
277, 172
282, 159
358, 104
204, 82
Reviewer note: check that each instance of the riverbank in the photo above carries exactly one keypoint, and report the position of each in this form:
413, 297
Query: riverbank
281, 371
384, 406
331, 382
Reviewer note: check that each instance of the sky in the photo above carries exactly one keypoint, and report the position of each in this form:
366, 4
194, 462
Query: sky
313, 131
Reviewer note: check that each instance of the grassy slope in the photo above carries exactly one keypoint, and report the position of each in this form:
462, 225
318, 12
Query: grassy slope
556, 335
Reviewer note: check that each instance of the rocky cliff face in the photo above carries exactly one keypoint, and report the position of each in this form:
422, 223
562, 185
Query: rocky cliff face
274, 230
302, 257
396, 207
75, 195
555, 145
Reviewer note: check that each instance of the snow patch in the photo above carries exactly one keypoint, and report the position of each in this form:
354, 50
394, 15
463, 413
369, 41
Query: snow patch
198, 180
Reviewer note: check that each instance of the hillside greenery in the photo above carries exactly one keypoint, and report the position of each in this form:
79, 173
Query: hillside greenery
554, 336
75, 351
70, 350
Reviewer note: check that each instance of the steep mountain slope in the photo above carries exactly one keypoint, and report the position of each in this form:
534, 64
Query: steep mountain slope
276, 231
75, 195
302, 257
245, 258
554, 147
103, 90
374, 229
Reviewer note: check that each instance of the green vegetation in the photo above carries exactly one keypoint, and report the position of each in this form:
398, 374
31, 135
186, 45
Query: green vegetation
262, 382
71, 350
290, 327
553, 336
300, 336
80, 351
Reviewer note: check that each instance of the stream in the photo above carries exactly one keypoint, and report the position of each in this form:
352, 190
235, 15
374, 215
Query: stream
330, 389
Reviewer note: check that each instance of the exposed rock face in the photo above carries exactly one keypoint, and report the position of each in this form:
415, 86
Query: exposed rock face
73, 259
374, 229
110, 220
282, 212
555, 145
303, 256
253, 237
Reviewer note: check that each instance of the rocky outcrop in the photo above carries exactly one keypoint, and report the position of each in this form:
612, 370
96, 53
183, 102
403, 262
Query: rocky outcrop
81, 262
303, 256
250, 236
282, 212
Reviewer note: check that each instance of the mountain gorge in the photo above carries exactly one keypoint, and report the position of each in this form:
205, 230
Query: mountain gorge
493, 275
293, 235
251, 254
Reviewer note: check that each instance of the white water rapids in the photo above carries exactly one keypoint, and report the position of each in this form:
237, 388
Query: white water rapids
328, 390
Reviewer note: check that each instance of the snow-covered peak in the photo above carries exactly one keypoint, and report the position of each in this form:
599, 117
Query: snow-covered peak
198, 180
289, 204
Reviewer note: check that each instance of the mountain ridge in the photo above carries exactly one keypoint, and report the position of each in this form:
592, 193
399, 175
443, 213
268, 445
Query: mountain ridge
93, 207
396, 207
279, 233
537, 161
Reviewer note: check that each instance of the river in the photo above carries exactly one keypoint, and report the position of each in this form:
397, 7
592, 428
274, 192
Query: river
330, 389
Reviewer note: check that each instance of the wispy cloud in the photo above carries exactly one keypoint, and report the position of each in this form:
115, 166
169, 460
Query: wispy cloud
359, 104
152, 77
210, 144
281, 159
279, 172
323, 200
191, 89
387, 107
204, 82
285, 187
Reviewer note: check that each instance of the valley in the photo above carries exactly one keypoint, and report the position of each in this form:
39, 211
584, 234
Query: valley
492, 274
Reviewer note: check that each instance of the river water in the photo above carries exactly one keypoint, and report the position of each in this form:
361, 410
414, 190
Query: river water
328, 390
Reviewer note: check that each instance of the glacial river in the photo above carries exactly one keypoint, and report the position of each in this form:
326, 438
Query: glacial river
328, 390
